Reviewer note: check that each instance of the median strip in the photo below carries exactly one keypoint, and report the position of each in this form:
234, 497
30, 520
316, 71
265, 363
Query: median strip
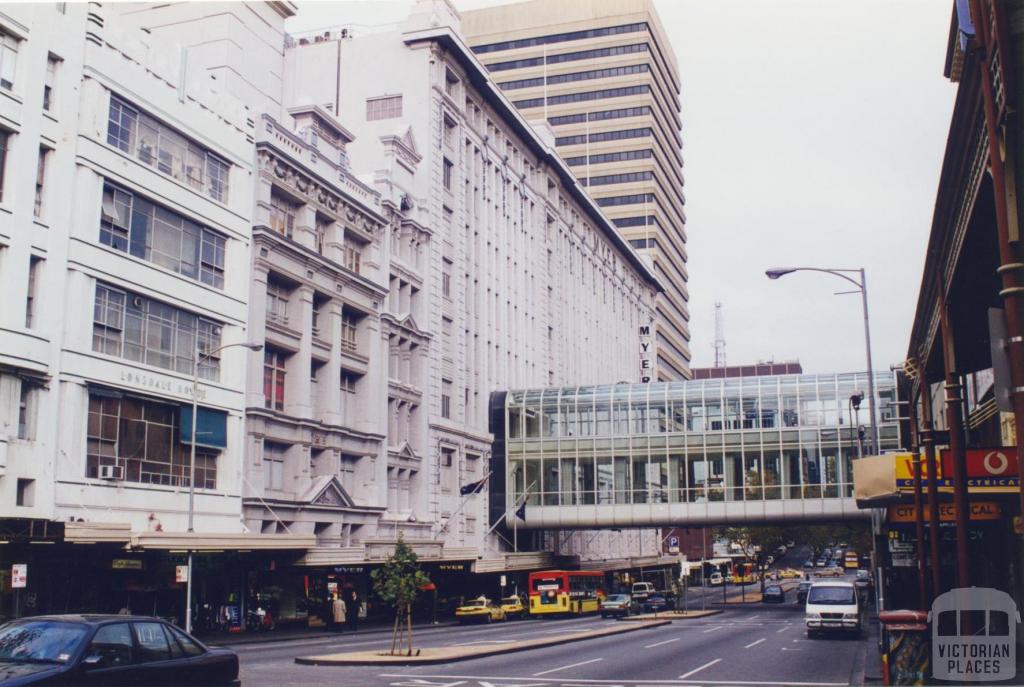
449, 654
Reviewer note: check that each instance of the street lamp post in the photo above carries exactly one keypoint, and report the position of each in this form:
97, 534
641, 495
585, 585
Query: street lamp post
196, 360
862, 287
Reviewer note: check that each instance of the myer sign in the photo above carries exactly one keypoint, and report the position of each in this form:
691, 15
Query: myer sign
646, 354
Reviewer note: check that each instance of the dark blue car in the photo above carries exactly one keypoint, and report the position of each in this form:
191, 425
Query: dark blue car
108, 650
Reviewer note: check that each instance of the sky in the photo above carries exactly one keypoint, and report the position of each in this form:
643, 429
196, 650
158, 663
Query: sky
813, 136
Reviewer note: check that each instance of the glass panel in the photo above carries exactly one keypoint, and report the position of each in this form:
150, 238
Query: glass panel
586, 480
622, 484
567, 485
605, 480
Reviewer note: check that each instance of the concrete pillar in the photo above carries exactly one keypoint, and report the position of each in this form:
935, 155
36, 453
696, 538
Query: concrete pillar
305, 227
332, 408
257, 333
297, 401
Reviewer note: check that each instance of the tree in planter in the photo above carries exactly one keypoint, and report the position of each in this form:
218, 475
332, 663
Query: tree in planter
754, 542
397, 583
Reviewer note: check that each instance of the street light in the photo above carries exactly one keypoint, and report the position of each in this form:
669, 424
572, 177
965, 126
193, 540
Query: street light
862, 287
196, 360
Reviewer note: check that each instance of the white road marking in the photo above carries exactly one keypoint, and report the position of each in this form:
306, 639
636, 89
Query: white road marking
573, 665
718, 627
783, 629
755, 643
697, 670
667, 641
484, 641
600, 681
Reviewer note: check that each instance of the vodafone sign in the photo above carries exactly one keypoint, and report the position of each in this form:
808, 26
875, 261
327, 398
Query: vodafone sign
986, 467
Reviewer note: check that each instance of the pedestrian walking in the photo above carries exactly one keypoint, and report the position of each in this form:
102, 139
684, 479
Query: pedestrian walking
352, 610
340, 611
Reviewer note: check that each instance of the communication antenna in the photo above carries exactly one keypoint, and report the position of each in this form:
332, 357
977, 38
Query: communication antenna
719, 336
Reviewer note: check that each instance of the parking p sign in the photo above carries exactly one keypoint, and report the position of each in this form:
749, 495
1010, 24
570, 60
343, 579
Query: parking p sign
673, 544
19, 575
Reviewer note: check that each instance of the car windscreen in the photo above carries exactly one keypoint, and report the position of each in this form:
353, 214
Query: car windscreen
477, 603
510, 600
615, 597
840, 596
40, 641
773, 590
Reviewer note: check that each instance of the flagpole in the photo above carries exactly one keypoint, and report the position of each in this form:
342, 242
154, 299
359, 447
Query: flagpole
465, 500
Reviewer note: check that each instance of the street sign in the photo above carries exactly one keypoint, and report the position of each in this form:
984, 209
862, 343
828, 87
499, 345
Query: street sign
673, 544
19, 575
181, 573
503, 581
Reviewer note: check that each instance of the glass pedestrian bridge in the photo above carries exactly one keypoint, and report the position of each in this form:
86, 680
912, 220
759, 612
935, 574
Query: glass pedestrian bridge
737, 450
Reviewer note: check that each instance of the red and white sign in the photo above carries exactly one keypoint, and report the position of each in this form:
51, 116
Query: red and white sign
986, 467
181, 573
19, 575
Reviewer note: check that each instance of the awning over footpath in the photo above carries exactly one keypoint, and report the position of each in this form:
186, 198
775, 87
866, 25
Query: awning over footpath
217, 541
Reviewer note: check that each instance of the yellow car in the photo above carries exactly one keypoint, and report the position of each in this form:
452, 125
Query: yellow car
789, 574
513, 608
479, 610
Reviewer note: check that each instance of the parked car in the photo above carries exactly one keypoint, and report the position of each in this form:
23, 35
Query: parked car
617, 605
479, 610
641, 590
801, 591
809, 563
832, 606
822, 562
513, 608
716, 579
657, 602
773, 594
789, 574
108, 650
830, 571
863, 583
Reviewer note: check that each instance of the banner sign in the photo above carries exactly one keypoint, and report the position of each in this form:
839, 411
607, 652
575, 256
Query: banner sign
19, 575
989, 470
982, 510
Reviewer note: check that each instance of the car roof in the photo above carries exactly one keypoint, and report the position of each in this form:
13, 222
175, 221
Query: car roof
91, 618
833, 583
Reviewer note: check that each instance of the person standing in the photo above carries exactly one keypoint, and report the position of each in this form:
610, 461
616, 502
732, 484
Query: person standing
352, 610
339, 611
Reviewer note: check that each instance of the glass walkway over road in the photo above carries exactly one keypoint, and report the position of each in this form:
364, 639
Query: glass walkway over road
738, 450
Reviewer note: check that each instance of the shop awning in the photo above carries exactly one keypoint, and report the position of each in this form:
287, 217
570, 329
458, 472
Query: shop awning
97, 532
211, 427
874, 480
215, 541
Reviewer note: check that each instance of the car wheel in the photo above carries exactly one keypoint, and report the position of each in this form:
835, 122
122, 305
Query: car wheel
489, 619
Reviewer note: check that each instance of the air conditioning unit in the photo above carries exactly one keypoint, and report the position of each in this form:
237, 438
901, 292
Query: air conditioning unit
112, 472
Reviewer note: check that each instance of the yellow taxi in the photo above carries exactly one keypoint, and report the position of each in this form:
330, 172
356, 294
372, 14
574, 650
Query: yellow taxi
480, 610
789, 574
513, 608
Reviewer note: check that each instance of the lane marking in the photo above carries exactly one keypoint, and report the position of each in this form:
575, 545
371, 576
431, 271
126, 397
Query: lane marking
573, 665
755, 643
783, 629
667, 641
719, 627
484, 641
655, 683
697, 670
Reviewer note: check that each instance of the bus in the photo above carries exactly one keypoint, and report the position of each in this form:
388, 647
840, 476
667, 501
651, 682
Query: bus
851, 561
562, 592
743, 573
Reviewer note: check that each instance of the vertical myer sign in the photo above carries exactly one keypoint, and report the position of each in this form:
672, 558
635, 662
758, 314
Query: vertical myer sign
646, 354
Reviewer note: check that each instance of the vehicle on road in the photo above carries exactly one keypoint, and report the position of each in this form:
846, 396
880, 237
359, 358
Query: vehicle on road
832, 606
801, 591
655, 603
513, 608
809, 563
789, 574
108, 650
479, 610
562, 592
716, 579
773, 594
743, 573
641, 590
851, 560
830, 571
863, 583
617, 605
821, 563
790, 544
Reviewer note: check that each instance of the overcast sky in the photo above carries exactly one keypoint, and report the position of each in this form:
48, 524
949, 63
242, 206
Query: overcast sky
813, 135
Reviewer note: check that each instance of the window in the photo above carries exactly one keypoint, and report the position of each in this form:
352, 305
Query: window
282, 213
131, 224
8, 59
27, 410
40, 178
277, 301
611, 157
25, 494
113, 644
157, 145
273, 465
447, 174
134, 327
451, 83
274, 361
447, 457
584, 96
143, 438
5, 139
188, 646
560, 37
348, 381
446, 278
353, 254
384, 107
320, 303
446, 398
34, 265
349, 464
349, 330
323, 225
49, 81
449, 131
152, 643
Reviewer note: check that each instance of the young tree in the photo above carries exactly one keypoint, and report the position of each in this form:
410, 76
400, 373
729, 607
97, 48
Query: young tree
397, 583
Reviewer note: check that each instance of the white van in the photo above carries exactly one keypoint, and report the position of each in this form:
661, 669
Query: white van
641, 590
832, 606
716, 579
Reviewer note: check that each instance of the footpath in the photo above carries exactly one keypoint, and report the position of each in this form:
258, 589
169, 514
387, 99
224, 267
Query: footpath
229, 639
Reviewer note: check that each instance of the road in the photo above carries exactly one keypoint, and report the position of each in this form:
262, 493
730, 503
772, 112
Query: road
751, 645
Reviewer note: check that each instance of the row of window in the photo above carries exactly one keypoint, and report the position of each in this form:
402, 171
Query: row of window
137, 328
132, 224
600, 116
157, 145
560, 37
584, 96
569, 57
618, 178
644, 221
575, 76
619, 135
618, 156
626, 200
644, 243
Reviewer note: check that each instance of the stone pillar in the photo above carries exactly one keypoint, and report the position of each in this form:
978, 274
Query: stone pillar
257, 333
297, 401
305, 227
332, 409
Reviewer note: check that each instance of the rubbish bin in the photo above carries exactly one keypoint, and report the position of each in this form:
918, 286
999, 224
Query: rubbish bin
906, 647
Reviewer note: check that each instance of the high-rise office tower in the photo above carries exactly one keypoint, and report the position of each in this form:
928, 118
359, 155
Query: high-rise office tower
603, 75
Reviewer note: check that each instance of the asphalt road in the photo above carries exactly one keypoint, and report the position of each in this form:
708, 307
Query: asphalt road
761, 644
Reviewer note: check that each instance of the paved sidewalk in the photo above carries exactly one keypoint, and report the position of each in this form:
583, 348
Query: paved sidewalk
431, 655
290, 634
